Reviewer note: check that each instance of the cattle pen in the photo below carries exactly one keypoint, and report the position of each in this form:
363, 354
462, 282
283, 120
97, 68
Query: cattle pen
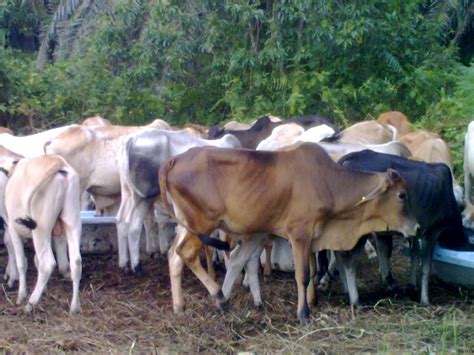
127, 313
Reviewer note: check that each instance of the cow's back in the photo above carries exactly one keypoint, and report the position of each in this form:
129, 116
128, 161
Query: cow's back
260, 190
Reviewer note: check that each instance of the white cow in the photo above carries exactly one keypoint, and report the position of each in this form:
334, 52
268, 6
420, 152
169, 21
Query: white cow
468, 213
96, 121
369, 132
42, 200
8, 160
28, 146
139, 162
32, 145
291, 133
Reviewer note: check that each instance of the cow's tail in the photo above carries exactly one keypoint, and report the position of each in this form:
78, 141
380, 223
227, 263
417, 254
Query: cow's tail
43, 180
163, 181
45, 146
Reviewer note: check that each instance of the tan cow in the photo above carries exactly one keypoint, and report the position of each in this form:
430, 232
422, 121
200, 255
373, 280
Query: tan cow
299, 194
42, 198
431, 148
6, 130
397, 120
369, 132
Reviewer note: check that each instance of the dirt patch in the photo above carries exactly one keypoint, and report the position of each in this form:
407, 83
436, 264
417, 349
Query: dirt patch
123, 313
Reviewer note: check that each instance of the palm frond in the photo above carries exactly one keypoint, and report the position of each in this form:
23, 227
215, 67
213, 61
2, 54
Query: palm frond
64, 11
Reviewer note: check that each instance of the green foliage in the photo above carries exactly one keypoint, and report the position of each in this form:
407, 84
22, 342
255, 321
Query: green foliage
451, 115
206, 60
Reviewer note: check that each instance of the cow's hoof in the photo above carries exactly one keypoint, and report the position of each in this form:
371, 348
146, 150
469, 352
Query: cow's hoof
221, 302
303, 316
178, 310
424, 303
153, 255
11, 284
138, 270
74, 310
66, 274
28, 308
126, 269
412, 293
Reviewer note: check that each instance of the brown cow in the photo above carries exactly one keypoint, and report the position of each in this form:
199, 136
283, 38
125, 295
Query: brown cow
397, 120
297, 193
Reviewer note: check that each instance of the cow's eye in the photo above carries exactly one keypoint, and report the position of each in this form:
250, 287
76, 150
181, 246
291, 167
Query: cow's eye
402, 195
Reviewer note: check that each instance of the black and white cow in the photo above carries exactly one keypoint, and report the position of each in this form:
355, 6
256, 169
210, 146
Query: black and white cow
250, 138
139, 161
434, 206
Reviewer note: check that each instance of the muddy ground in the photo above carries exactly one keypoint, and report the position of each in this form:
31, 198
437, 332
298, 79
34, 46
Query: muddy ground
128, 313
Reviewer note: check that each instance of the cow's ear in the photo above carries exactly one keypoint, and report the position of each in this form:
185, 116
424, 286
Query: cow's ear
393, 175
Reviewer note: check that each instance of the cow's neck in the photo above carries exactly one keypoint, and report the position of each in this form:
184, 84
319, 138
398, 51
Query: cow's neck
351, 188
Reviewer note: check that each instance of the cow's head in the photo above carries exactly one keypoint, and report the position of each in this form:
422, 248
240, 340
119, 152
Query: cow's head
388, 204
215, 132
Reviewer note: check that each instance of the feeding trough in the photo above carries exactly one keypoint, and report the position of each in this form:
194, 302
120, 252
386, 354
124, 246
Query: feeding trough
455, 266
99, 234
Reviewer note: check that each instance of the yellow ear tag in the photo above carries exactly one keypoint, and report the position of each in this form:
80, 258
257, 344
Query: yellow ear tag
361, 201
5, 170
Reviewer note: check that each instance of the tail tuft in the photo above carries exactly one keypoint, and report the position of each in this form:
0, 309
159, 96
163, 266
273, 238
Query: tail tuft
28, 222
213, 242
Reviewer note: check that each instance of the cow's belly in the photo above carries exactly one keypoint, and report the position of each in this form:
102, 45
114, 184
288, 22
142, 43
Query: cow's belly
106, 185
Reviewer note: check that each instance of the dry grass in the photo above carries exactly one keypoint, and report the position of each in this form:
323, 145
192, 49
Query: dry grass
122, 313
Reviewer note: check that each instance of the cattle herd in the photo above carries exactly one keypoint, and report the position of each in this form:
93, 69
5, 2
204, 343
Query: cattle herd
235, 188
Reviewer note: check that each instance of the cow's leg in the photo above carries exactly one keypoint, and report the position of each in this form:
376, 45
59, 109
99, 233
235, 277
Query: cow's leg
346, 261
267, 268
46, 264
165, 232
73, 236
11, 272
175, 264
251, 273
189, 250
311, 292
151, 233
244, 253
123, 225
136, 225
209, 251
414, 263
21, 263
325, 281
468, 213
60, 246
426, 256
369, 249
384, 250
301, 245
